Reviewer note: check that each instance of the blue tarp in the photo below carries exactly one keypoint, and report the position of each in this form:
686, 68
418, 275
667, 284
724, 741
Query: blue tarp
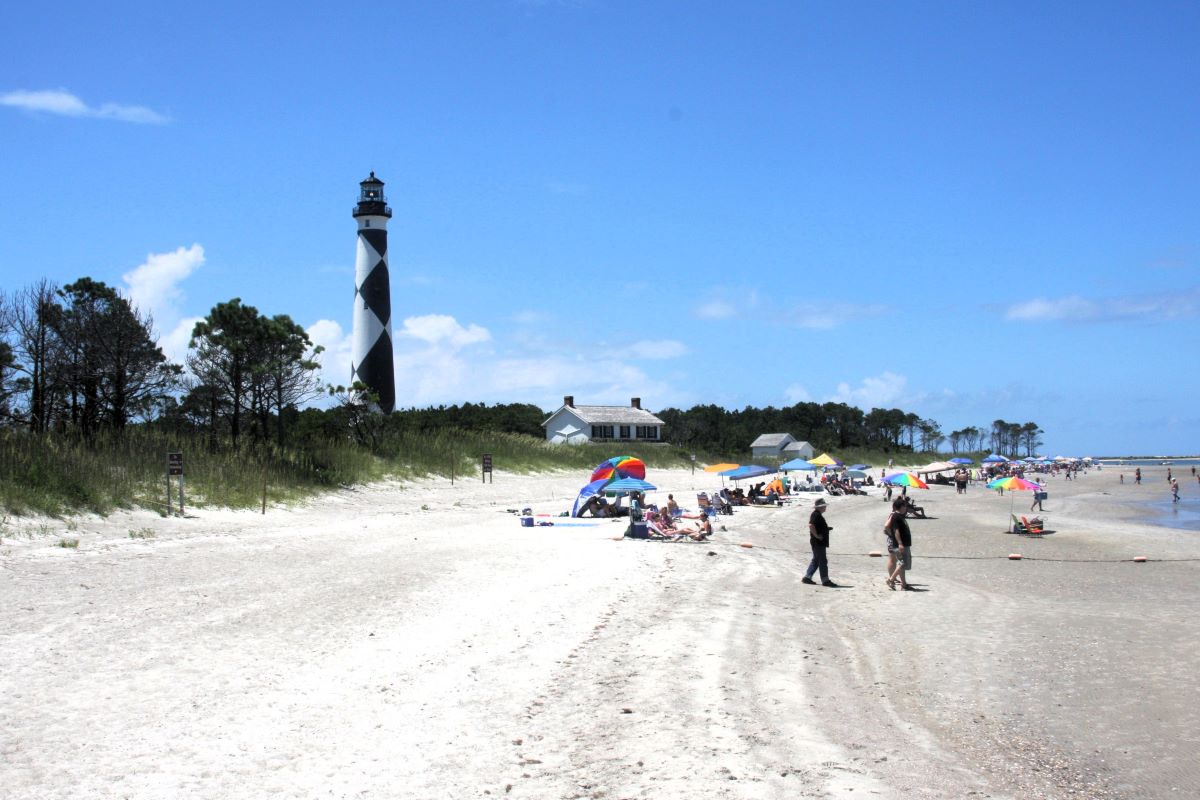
587, 491
747, 471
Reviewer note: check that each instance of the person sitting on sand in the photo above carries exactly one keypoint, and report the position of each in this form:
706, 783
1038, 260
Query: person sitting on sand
596, 505
914, 510
672, 506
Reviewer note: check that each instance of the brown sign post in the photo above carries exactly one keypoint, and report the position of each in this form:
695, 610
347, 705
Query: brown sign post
487, 468
175, 467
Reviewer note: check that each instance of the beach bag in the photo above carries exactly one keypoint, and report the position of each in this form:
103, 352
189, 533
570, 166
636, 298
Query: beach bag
637, 530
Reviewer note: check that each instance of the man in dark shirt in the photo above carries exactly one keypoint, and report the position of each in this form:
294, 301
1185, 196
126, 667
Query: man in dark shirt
818, 538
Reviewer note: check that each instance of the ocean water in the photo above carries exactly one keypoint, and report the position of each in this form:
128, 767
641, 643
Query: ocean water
1185, 514
1177, 463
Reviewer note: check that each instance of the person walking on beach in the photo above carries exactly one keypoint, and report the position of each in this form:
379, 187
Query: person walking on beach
1137, 476
1174, 491
1037, 500
818, 539
899, 544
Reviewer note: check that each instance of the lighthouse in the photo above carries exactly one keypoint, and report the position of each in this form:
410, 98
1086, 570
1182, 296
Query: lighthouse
372, 356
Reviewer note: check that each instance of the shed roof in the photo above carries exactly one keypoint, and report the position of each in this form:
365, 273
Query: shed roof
772, 440
798, 446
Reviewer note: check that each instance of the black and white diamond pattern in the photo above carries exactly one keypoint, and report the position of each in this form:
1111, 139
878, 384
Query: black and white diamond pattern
372, 357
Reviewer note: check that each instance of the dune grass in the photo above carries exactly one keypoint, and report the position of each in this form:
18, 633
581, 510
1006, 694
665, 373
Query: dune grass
57, 475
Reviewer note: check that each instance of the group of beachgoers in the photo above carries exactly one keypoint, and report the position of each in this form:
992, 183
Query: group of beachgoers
896, 533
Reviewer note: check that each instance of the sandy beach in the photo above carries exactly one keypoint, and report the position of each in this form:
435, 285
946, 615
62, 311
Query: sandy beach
414, 641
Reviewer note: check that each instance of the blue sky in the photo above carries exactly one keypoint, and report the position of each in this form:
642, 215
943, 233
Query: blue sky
971, 211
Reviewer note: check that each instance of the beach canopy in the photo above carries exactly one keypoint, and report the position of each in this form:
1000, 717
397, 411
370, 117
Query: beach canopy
797, 463
905, 479
747, 471
995, 458
855, 473
937, 466
620, 467
720, 467
860, 466
961, 461
825, 460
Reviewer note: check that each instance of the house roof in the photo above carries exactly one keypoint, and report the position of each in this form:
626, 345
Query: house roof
772, 440
610, 415
798, 446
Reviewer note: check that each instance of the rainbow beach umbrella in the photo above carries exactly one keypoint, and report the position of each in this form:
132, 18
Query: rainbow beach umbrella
1013, 483
906, 479
619, 467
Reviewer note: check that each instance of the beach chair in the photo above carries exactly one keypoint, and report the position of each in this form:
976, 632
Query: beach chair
1025, 527
705, 504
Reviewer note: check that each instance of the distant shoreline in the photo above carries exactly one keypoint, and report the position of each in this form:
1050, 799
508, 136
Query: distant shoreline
1141, 458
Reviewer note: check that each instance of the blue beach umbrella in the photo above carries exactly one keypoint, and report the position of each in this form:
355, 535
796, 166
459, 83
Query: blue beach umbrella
995, 458
797, 463
961, 461
624, 485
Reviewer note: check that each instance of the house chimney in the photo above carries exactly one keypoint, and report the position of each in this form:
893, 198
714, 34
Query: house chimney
635, 402
569, 401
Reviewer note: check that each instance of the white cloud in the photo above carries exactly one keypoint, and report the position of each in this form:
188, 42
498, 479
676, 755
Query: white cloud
530, 317
335, 358
797, 394
153, 288
1042, 310
153, 285
810, 315
881, 391
440, 329
1153, 307
175, 343
656, 349
715, 309
828, 315
62, 102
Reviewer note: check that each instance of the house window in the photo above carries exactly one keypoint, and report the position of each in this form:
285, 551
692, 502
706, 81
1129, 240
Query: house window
624, 431
647, 432
602, 431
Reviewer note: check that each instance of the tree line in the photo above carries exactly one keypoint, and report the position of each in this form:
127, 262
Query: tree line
837, 426
82, 359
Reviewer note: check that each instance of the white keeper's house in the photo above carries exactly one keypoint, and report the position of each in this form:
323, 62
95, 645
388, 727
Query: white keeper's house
572, 424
